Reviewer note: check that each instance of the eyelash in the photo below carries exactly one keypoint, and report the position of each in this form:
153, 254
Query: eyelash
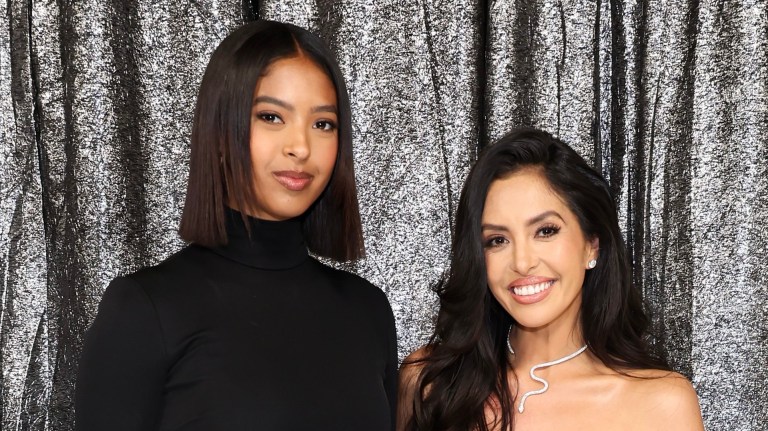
491, 242
324, 125
551, 228
545, 231
269, 117
331, 125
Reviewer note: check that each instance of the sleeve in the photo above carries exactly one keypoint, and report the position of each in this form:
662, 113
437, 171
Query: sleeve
391, 374
122, 368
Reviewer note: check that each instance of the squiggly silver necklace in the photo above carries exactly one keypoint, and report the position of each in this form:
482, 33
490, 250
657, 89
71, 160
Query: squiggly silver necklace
521, 406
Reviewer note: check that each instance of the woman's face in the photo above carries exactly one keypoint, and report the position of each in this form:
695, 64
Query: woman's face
535, 251
294, 137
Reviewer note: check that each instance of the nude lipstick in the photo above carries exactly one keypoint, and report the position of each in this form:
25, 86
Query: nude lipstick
530, 290
294, 181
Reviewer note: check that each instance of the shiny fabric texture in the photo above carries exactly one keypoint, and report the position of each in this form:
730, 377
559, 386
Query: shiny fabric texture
669, 99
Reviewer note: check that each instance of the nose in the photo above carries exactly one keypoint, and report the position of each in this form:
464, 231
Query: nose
524, 258
297, 147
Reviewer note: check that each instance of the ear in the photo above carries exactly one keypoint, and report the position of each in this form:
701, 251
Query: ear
593, 248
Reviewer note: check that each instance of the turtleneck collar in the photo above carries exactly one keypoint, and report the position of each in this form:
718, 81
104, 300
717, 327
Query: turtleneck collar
271, 245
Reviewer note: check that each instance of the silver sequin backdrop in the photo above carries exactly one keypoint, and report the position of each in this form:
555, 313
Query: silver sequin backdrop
668, 98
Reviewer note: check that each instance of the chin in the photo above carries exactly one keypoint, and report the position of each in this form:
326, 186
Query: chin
532, 324
285, 209
529, 319
289, 214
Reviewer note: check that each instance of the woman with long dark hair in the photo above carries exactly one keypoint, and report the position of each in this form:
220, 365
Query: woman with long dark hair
242, 329
540, 327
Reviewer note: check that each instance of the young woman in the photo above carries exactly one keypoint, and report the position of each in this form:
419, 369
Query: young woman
539, 326
242, 329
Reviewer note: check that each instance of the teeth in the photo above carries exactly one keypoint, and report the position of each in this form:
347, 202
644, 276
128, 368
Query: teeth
531, 288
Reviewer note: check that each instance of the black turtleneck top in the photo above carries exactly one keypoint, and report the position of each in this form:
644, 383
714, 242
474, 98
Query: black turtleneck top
256, 335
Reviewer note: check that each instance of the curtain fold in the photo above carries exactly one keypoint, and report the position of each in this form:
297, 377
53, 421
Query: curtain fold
23, 254
669, 99
411, 71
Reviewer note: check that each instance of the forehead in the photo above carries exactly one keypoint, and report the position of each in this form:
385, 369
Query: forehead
524, 194
294, 70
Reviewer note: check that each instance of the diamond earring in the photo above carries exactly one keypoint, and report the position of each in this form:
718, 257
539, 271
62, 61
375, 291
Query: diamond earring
592, 263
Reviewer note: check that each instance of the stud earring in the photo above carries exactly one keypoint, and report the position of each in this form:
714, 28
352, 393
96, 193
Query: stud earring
592, 263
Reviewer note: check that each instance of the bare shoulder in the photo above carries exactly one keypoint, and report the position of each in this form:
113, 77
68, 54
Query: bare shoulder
665, 398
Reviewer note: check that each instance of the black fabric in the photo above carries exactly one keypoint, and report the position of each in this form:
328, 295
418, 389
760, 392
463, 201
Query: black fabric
255, 335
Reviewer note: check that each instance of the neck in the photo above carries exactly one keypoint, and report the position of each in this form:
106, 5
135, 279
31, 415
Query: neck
253, 213
536, 345
263, 244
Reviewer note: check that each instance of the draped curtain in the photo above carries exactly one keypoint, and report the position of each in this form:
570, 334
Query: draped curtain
669, 99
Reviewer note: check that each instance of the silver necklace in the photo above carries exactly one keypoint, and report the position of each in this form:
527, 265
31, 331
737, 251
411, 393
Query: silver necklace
521, 406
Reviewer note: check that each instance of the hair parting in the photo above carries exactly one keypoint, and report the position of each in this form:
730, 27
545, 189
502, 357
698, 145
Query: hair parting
220, 172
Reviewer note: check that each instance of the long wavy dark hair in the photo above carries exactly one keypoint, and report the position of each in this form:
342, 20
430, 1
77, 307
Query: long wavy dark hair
466, 364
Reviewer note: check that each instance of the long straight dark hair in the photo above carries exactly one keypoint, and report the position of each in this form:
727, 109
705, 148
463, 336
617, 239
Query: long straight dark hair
467, 363
220, 163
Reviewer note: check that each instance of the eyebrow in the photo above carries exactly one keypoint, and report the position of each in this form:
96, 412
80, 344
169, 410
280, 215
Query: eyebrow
275, 101
531, 221
324, 108
543, 216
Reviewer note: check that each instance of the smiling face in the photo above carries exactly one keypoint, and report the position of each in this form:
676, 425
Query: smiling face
294, 138
536, 253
